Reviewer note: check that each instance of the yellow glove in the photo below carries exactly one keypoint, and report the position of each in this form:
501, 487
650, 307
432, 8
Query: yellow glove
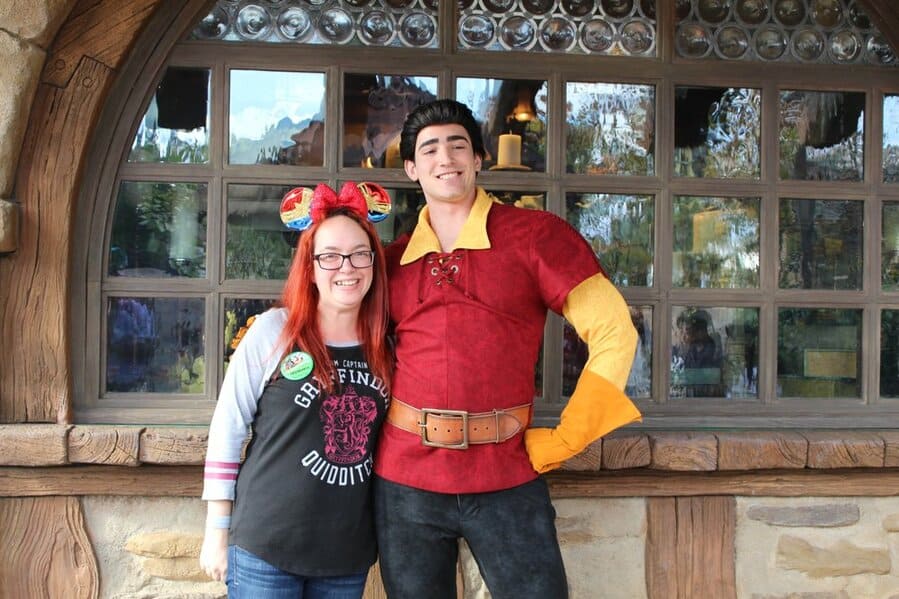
596, 408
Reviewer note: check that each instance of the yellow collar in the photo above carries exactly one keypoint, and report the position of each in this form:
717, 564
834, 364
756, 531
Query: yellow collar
472, 237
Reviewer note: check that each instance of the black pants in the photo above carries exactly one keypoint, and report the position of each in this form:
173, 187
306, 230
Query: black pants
511, 533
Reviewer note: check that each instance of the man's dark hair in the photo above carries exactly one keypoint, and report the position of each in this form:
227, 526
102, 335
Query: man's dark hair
439, 112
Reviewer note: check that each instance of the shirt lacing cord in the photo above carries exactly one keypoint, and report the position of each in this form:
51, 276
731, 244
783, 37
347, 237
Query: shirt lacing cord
444, 268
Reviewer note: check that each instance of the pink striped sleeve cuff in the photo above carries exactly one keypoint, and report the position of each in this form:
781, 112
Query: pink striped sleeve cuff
221, 470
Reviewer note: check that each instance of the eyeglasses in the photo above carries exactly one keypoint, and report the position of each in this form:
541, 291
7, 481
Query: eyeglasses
334, 261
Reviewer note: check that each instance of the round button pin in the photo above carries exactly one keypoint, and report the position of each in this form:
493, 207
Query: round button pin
296, 365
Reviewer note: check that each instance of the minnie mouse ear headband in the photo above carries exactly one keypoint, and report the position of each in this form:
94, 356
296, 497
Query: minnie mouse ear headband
303, 206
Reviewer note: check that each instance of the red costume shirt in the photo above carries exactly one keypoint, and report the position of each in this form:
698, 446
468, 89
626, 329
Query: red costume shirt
469, 325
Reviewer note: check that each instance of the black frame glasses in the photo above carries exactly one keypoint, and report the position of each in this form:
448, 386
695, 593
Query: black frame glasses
366, 257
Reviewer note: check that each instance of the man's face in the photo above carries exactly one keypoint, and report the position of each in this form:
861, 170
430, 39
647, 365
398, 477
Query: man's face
445, 164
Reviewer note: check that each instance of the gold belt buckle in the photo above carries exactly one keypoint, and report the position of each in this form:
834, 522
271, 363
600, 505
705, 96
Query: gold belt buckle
423, 425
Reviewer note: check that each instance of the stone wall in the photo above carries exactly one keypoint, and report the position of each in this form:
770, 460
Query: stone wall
826, 548
26, 29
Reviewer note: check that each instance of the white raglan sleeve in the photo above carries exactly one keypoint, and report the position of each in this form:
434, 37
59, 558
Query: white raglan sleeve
251, 366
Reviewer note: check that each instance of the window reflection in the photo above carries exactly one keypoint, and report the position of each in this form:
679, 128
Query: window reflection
889, 353
175, 127
159, 230
716, 242
716, 132
610, 129
639, 381
237, 312
890, 247
277, 117
155, 345
620, 229
714, 352
818, 352
822, 135
512, 114
891, 138
374, 109
257, 245
821, 244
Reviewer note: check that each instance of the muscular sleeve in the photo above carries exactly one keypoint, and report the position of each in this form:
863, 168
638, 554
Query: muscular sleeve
251, 366
598, 405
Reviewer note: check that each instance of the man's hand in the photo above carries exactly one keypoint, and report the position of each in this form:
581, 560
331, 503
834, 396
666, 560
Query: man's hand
214, 553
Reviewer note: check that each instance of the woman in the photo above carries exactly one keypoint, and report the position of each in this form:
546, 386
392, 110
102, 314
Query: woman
310, 378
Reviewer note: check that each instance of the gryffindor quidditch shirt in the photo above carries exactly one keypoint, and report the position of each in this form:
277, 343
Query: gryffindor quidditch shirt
302, 500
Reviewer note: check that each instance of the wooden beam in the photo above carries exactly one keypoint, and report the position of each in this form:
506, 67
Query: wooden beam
46, 549
187, 481
33, 445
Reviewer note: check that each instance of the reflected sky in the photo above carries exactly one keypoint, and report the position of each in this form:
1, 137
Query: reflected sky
890, 120
260, 99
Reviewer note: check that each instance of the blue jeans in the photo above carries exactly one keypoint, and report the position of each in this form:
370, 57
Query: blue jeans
250, 577
511, 533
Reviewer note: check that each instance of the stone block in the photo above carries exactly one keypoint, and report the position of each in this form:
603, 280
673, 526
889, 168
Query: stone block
18, 80
891, 523
36, 22
176, 568
165, 544
9, 227
842, 559
818, 516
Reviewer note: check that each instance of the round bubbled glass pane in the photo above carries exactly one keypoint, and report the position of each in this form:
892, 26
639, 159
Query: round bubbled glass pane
498, 6
636, 37
808, 44
789, 12
253, 22
558, 34
713, 11
538, 7
578, 8
476, 30
826, 13
617, 8
693, 40
213, 26
732, 42
518, 33
845, 46
376, 27
752, 12
418, 29
859, 17
597, 36
335, 25
770, 43
294, 24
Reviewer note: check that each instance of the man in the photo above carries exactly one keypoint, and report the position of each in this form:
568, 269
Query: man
469, 292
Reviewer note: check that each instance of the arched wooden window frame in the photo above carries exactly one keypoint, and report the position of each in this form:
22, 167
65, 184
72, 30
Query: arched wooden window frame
43, 287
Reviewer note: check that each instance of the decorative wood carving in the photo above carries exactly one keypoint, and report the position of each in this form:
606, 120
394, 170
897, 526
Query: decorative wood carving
690, 547
625, 451
33, 444
761, 450
46, 549
848, 450
111, 445
684, 451
173, 446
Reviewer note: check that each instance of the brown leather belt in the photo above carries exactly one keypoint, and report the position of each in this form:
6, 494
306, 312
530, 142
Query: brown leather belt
457, 429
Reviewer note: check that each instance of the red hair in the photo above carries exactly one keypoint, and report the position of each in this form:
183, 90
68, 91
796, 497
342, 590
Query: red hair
300, 297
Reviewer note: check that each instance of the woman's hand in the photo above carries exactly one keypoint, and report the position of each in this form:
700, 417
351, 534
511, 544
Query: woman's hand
214, 553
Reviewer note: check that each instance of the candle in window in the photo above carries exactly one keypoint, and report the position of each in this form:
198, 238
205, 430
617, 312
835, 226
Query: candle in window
509, 150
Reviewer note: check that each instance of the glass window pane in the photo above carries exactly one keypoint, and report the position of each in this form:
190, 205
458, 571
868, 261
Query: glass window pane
237, 312
512, 115
889, 353
716, 242
155, 345
611, 27
277, 117
639, 382
175, 127
620, 229
821, 244
374, 108
714, 352
891, 138
258, 245
395, 23
818, 352
159, 230
822, 135
889, 247
716, 132
610, 129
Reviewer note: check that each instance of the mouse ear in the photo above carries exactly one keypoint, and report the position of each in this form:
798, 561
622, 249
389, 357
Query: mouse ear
296, 208
377, 199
